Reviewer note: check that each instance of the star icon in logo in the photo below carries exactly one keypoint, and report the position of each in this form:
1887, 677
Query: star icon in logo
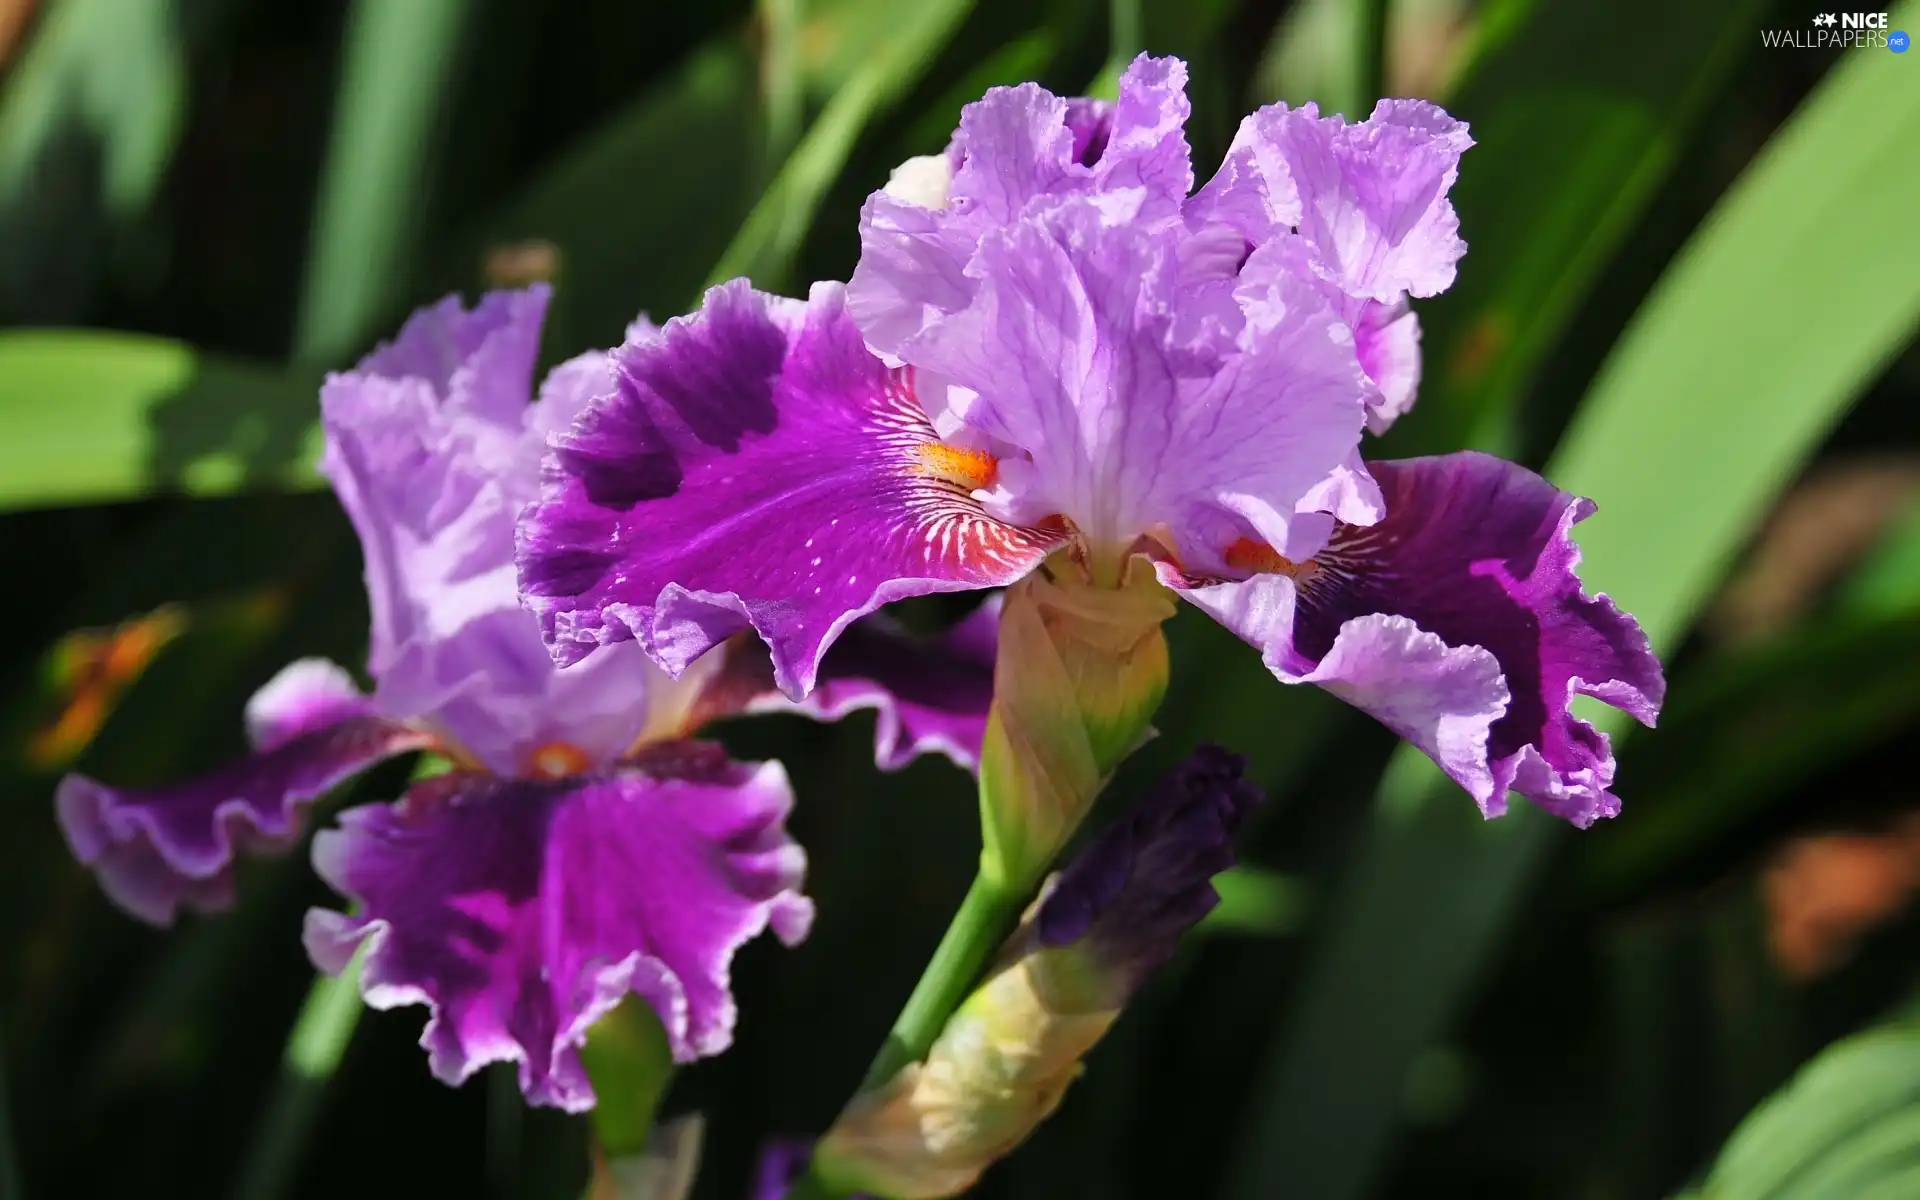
1826, 19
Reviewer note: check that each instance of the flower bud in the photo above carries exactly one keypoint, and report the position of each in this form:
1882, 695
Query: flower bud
1004, 1060
1080, 672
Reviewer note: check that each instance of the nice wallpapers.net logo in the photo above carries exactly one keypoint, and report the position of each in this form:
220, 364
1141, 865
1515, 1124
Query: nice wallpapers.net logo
1845, 31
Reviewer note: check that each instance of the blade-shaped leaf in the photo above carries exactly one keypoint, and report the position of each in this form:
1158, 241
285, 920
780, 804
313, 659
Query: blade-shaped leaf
1846, 1128
1579, 116
1783, 306
394, 76
88, 416
765, 247
89, 120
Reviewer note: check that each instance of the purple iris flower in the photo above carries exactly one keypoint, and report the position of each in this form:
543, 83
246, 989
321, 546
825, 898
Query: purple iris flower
1053, 343
581, 848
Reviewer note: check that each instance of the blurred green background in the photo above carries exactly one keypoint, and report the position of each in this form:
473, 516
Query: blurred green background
1692, 293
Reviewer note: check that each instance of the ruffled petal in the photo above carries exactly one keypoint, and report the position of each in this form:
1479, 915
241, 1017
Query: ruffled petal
520, 912
1459, 620
1253, 191
434, 449
156, 850
1374, 195
480, 361
1017, 149
308, 694
928, 695
425, 447
757, 468
1387, 337
1146, 145
1075, 349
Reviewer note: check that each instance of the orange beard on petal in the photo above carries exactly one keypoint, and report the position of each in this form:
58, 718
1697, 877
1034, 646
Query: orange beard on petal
1248, 555
971, 469
557, 760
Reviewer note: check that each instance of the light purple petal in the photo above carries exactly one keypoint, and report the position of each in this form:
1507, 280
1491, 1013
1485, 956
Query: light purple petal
1374, 195
1128, 422
1253, 191
434, 449
425, 448
522, 911
1460, 621
306, 695
1018, 149
1387, 337
565, 392
479, 361
757, 468
156, 850
1147, 140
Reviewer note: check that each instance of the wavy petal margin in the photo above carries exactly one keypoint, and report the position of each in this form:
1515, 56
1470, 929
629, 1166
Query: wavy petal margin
522, 911
1459, 621
758, 467
156, 850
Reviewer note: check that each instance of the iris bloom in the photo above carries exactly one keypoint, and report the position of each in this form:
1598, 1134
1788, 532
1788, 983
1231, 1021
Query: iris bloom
580, 849
1053, 343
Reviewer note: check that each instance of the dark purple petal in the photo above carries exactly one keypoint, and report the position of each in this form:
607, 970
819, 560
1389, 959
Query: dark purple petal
928, 695
158, 849
308, 694
1147, 878
522, 911
1460, 622
757, 468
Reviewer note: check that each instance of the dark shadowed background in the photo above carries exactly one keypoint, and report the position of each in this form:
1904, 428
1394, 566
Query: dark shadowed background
1691, 292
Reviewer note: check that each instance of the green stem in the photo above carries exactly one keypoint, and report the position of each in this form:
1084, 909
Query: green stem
975, 933
318, 1043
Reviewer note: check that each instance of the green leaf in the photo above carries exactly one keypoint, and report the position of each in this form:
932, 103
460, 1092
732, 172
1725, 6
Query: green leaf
1887, 581
89, 120
765, 248
394, 85
314, 1051
1780, 310
1579, 116
1846, 1128
1331, 52
1256, 901
88, 416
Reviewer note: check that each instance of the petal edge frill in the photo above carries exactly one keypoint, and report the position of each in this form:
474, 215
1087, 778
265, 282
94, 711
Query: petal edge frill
757, 467
522, 911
